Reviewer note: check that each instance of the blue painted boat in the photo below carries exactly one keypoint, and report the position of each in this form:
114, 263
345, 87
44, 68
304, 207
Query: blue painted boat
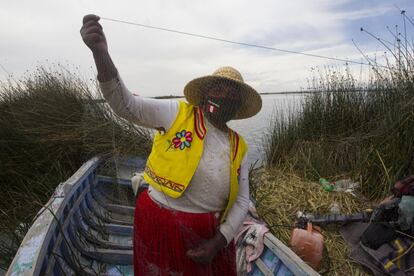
86, 229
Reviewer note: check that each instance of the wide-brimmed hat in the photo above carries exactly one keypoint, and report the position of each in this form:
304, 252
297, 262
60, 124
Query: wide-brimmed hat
251, 102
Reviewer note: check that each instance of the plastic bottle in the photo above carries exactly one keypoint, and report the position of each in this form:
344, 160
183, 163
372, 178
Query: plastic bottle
344, 185
308, 244
327, 186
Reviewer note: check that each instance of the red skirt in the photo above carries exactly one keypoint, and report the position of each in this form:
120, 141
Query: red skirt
163, 236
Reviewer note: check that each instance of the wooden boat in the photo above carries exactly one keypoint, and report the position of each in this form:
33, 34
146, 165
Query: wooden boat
86, 229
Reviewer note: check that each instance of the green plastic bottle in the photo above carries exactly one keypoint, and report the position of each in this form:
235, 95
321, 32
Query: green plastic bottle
327, 186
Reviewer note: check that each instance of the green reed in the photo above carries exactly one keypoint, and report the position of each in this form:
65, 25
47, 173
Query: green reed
50, 123
347, 129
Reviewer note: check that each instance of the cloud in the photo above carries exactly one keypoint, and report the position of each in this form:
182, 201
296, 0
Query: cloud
155, 63
373, 11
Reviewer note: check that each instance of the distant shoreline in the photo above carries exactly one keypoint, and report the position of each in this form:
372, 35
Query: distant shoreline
268, 93
265, 93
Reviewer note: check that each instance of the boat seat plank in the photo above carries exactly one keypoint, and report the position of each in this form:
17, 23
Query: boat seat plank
110, 228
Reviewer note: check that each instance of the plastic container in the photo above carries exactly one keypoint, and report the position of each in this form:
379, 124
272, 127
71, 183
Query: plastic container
345, 185
308, 245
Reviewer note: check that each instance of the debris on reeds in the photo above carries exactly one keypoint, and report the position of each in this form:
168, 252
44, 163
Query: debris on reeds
291, 194
50, 123
346, 129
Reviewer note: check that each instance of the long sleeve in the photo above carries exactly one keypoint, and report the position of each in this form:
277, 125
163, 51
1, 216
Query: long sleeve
146, 112
238, 211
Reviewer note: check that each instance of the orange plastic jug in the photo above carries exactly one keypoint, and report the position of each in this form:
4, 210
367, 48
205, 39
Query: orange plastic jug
308, 245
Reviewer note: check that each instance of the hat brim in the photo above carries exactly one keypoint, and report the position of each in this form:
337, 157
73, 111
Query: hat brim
251, 101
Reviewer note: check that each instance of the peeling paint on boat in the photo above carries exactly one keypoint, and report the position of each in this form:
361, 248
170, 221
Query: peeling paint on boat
27, 254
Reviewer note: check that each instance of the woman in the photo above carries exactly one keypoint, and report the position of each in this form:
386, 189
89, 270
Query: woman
197, 170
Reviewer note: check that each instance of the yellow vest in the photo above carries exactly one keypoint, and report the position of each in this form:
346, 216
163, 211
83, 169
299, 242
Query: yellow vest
175, 155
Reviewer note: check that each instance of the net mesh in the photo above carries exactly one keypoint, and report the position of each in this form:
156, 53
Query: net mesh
163, 235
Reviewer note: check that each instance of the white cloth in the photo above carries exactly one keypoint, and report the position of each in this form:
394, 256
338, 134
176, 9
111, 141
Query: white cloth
137, 181
249, 243
209, 188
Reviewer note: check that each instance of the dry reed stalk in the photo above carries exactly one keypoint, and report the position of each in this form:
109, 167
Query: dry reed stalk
281, 194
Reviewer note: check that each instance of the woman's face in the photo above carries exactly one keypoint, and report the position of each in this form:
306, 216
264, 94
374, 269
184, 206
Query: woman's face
221, 103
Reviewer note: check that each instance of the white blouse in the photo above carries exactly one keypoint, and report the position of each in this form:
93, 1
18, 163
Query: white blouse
209, 188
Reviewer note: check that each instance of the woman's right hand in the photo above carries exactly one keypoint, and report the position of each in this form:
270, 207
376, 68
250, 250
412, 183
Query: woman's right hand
93, 35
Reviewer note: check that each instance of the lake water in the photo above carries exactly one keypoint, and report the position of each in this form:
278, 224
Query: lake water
255, 129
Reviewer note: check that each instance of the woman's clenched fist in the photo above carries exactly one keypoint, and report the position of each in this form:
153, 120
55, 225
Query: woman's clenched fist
93, 35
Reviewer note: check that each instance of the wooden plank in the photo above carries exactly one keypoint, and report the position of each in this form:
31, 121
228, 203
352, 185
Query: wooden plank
288, 257
113, 180
263, 268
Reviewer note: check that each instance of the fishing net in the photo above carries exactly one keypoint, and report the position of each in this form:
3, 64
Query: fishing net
166, 228
194, 196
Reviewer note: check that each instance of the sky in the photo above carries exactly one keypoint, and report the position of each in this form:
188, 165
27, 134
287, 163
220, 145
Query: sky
153, 62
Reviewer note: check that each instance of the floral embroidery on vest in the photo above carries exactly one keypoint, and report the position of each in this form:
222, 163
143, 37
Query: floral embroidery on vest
182, 139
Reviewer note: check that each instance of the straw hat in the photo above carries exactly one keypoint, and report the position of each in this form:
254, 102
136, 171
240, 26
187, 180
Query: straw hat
251, 101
